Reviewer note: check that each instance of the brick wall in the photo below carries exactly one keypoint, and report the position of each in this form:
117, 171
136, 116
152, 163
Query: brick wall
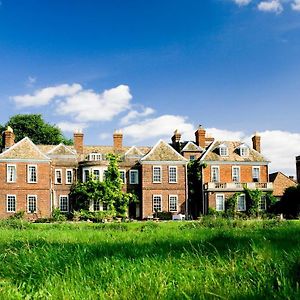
281, 183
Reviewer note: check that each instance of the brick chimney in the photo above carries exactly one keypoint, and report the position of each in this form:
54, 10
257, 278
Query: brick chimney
176, 140
78, 141
8, 138
118, 140
256, 142
200, 136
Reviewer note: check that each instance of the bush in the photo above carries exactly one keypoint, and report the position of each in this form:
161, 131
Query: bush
15, 223
19, 215
164, 215
58, 216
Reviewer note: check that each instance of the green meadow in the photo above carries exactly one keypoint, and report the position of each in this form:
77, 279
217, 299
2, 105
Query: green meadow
211, 259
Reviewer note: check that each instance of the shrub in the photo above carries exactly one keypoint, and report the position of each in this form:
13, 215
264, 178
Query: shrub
58, 216
164, 215
18, 215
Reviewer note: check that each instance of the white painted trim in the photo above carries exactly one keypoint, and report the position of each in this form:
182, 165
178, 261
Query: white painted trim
176, 196
208, 150
223, 196
169, 162
133, 147
256, 167
160, 174
161, 204
211, 173
11, 165
36, 173
11, 195
198, 148
176, 174
15, 160
227, 162
237, 167
125, 179
59, 145
244, 196
72, 176
36, 204
134, 171
55, 176
68, 204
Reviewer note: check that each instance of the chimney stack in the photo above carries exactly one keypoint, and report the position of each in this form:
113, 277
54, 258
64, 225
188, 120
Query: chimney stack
78, 141
256, 142
176, 140
200, 136
118, 140
8, 138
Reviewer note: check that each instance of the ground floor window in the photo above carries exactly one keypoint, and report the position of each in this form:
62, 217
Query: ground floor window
220, 202
31, 203
11, 203
64, 203
96, 205
262, 205
173, 203
157, 203
241, 203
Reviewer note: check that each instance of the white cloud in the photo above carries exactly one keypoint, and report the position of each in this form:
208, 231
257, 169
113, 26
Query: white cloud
30, 81
104, 135
44, 96
223, 134
270, 6
71, 127
88, 105
242, 2
296, 5
160, 127
134, 114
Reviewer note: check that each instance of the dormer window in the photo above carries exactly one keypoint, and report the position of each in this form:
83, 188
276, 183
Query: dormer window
223, 150
95, 156
244, 151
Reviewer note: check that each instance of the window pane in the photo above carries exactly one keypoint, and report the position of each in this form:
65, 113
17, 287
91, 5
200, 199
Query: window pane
215, 174
172, 174
235, 174
173, 203
241, 205
58, 176
69, 177
134, 176
220, 202
31, 204
122, 175
32, 174
156, 174
96, 174
64, 203
11, 173
11, 203
156, 203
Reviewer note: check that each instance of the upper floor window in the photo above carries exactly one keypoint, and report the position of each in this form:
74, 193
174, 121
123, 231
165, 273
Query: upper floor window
69, 176
11, 173
133, 176
31, 203
244, 151
156, 174
11, 203
223, 150
255, 174
172, 174
64, 203
58, 176
157, 206
215, 175
192, 157
220, 202
235, 174
241, 203
123, 176
95, 156
32, 174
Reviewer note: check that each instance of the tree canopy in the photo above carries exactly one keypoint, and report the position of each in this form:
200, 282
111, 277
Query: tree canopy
34, 126
289, 204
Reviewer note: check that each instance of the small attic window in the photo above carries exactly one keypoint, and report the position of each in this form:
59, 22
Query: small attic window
95, 156
223, 150
244, 151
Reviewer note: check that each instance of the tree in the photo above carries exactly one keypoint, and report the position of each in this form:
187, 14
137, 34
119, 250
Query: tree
33, 126
289, 204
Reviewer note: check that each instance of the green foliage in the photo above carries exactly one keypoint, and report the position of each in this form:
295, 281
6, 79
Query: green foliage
58, 216
94, 216
164, 215
33, 126
231, 206
289, 204
19, 215
253, 198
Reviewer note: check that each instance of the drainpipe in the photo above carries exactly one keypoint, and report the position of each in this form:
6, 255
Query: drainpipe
186, 194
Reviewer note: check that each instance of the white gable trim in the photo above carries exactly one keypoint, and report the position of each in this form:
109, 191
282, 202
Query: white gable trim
171, 148
196, 147
208, 150
59, 145
22, 141
133, 147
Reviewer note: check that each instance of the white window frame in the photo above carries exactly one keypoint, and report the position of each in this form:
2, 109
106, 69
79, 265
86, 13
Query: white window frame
225, 149
35, 196
15, 173
211, 173
239, 173
95, 156
96, 177
160, 197
154, 180
7, 206
72, 174
256, 178
60, 206
28, 173
238, 199
96, 203
84, 178
137, 176
244, 151
56, 177
223, 202
176, 174
175, 197
263, 200
123, 171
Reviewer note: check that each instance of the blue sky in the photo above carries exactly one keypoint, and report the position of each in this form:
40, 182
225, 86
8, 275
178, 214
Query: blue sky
150, 67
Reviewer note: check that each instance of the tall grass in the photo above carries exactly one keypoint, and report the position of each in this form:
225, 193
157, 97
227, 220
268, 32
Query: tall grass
211, 259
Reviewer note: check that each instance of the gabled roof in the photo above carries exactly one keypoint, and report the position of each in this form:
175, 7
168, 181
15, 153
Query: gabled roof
134, 151
162, 151
61, 149
212, 153
24, 149
274, 176
190, 146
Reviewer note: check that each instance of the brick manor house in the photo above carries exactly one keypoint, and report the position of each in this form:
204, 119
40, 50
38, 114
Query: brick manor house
38, 178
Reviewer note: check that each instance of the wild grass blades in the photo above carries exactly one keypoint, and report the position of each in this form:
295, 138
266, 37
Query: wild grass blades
147, 260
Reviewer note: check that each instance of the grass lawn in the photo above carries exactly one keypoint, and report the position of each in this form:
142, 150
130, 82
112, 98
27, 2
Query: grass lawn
216, 259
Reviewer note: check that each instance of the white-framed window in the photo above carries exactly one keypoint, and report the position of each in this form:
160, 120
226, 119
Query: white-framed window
172, 174
255, 174
241, 202
86, 175
11, 173
95, 156
64, 203
69, 176
223, 150
220, 202
262, 204
58, 176
244, 151
104, 206
96, 174
11, 203
96, 205
236, 174
157, 203
123, 176
31, 203
215, 174
105, 172
156, 174
32, 173
173, 203
133, 176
